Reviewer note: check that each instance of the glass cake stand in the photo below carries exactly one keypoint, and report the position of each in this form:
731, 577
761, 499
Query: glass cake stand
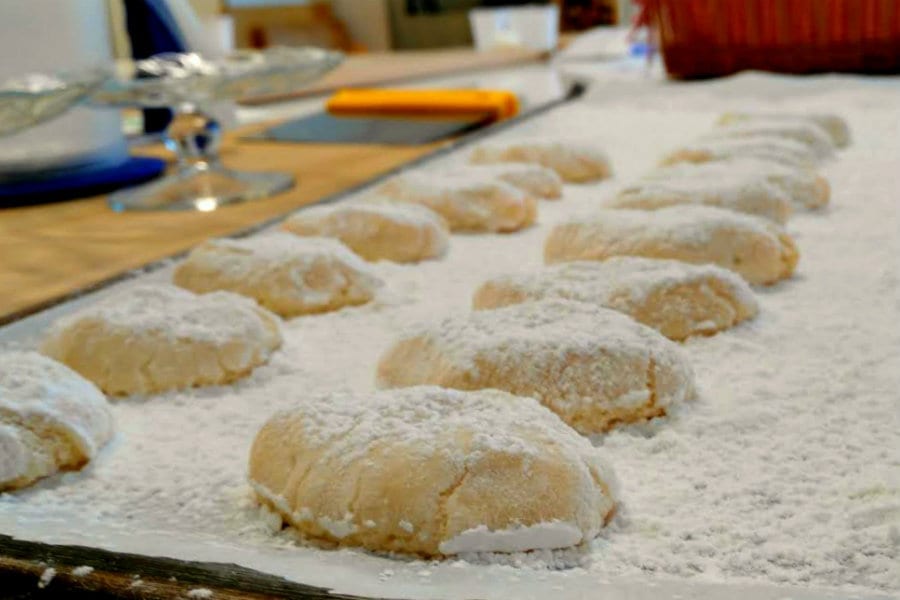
187, 83
32, 99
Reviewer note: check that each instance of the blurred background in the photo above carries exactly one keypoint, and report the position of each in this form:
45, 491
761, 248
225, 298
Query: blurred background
379, 25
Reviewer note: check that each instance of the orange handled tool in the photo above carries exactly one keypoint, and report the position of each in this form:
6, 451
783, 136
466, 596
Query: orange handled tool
492, 104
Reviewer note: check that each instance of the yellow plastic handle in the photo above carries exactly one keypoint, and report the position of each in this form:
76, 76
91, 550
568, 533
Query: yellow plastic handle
493, 104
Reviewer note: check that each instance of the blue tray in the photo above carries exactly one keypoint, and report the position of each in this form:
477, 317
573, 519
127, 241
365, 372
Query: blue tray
81, 183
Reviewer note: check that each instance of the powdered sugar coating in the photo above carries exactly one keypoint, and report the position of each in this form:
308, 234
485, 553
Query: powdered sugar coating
757, 249
575, 160
412, 470
675, 298
763, 147
50, 417
467, 204
734, 186
150, 338
805, 187
834, 125
287, 274
376, 230
531, 178
593, 366
795, 425
810, 134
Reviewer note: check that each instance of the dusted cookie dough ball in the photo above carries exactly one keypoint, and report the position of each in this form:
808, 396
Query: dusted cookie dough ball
51, 419
836, 127
533, 179
574, 160
592, 366
737, 188
763, 147
402, 233
675, 298
810, 134
431, 471
153, 338
466, 203
757, 249
288, 274
805, 187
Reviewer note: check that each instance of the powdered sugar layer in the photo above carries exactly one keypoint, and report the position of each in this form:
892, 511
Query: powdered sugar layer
410, 214
622, 280
417, 416
693, 225
264, 251
36, 388
516, 539
782, 471
802, 185
731, 185
451, 454
807, 133
529, 177
574, 158
833, 124
521, 344
478, 203
766, 147
176, 313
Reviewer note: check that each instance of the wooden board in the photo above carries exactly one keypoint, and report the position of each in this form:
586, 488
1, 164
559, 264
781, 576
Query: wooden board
119, 575
51, 250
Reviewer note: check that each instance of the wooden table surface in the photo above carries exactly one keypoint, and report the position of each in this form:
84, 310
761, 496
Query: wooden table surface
53, 250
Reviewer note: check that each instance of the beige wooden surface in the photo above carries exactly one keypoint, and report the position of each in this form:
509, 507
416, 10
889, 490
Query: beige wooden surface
52, 250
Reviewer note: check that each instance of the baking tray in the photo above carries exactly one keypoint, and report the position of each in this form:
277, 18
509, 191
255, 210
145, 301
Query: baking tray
199, 562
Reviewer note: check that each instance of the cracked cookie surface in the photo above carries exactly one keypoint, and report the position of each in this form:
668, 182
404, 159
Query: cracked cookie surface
287, 274
51, 418
152, 338
431, 471
592, 366
757, 249
677, 299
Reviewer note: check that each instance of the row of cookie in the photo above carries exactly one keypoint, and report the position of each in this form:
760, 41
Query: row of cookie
333, 523
744, 169
497, 191
591, 366
155, 338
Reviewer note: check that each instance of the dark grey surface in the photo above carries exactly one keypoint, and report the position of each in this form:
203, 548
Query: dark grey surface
325, 128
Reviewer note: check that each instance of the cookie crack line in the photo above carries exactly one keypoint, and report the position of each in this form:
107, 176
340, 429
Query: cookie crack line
444, 499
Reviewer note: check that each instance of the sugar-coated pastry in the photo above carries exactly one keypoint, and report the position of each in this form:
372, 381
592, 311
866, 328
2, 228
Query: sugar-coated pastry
757, 249
152, 338
593, 366
576, 161
402, 233
677, 299
480, 203
288, 274
431, 471
51, 418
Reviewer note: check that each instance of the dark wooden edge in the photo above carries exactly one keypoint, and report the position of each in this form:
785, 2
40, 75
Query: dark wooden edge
575, 91
122, 575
